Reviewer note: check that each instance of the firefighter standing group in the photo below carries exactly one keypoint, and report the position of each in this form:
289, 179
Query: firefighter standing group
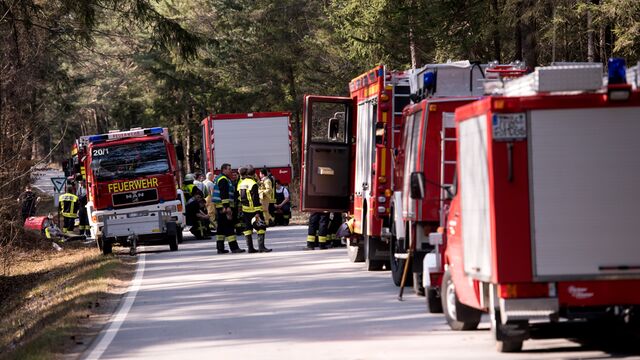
230, 204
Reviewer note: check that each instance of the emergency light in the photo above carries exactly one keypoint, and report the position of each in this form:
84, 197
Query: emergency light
138, 132
617, 87
617, 71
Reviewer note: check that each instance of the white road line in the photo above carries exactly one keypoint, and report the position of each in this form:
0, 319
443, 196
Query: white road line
107, 336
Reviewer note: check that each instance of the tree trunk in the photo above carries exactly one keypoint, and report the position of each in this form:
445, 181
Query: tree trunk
296, 123
415, 57
497, 49
518, 34
591, 44
529, 41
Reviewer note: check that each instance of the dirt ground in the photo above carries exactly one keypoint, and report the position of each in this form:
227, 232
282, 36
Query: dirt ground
55, 302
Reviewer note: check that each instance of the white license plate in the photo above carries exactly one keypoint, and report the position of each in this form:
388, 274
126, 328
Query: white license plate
138, 214
509, 126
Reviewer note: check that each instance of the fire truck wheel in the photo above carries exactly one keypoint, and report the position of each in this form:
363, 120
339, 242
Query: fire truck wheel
459, 316
397, 265
370, 264
179, 231
107, 246
506, 343
417, 284
434, 302
172, 236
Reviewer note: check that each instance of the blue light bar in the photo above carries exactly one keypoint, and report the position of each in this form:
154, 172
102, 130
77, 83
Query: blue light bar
617, 71
153, 131
95, 138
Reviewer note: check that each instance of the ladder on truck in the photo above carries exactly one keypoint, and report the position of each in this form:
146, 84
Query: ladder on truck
448, 122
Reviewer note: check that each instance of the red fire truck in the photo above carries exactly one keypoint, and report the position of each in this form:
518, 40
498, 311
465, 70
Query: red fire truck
427, 153
347, 160
542, 228
260, 139
131, 182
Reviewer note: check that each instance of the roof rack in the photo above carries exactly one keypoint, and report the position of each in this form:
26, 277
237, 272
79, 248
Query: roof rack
560, 77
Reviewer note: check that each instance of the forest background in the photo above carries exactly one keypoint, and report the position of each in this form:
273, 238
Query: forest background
71, 68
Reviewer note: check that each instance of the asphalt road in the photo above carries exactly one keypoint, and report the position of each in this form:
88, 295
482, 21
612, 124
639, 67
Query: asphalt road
288, 304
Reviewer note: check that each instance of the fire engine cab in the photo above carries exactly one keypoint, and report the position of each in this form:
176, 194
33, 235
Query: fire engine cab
347, 159
131, 182
543, 226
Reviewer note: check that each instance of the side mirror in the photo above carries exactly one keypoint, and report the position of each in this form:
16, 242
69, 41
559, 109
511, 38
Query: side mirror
333, 129
95, 164
417, 185
179, 152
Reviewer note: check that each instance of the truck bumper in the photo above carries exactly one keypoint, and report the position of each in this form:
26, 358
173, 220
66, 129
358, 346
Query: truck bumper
528, 309
143, 220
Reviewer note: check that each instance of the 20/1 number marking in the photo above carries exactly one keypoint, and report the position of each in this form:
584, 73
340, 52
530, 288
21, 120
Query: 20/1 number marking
100, 152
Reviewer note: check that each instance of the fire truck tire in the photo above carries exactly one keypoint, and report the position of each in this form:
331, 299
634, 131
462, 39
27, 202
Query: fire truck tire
417, 284
397, 265
107, 247
459, 316
172, 236
370, 264
506, 343
180, 238
434, 303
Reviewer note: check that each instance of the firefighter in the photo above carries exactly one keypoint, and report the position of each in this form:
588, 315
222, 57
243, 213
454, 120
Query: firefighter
266, 193
251, 209
187, 186
224, 198
196, 215
68, 208
272, 200
28, 201
81, 192
318, 222
282, 205
211, 206
236, 207
335, 220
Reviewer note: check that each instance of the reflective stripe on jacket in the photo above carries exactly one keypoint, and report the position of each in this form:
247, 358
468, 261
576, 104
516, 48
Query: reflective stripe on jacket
223, 192
249, 196
68, 205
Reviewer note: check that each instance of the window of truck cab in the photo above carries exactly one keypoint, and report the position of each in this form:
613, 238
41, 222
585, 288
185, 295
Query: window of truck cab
129, 160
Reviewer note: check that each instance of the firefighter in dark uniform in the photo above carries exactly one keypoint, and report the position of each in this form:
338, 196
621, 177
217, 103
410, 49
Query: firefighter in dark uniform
282, 205
224, 198
196, 215
187, 186
251, 209
238, 224
81, 192
68, 208
335, 220
318, 224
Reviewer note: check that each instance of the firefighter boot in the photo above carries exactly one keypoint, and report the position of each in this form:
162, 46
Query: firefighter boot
250, 248
233, 245
261, 246
220, 247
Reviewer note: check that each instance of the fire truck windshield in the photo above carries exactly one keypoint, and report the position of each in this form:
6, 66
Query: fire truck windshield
131, 160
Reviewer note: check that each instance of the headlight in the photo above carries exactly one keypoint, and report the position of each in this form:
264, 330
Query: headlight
171, 208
